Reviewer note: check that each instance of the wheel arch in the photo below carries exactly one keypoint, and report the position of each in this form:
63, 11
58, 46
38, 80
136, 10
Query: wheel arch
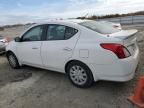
90, 73
17, 66
74, 60
8, 52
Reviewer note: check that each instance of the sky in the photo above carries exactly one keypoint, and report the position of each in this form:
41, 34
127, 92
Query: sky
24, 11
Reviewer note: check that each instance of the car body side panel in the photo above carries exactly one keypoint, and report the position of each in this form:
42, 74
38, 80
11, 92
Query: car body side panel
104, 64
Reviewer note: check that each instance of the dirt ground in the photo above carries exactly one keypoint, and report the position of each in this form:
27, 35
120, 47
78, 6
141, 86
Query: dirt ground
31, 87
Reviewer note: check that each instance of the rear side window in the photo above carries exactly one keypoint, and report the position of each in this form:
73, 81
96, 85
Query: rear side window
56, 32
60, 32
70, 32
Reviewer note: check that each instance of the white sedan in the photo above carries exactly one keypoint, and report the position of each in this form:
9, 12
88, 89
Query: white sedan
85, 50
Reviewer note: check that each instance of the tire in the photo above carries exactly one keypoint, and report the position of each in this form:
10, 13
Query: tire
13, 61
79, 74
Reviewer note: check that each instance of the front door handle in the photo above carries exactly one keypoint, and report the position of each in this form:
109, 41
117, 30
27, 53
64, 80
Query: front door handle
67, 49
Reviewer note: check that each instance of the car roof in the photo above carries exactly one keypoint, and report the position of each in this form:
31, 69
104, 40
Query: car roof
77, 20
68, 21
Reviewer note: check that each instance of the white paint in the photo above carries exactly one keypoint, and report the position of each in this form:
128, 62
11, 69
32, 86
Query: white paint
104, 64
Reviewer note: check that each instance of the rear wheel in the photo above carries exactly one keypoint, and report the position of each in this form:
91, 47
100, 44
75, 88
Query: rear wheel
79, 74
13, 60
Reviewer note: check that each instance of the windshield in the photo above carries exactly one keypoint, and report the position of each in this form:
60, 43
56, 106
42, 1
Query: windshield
100, 27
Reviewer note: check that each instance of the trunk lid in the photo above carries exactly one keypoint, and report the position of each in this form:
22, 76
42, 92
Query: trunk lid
129, 39
124, 34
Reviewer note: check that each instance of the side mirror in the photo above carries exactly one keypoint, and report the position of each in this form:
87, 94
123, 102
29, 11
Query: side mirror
17, 39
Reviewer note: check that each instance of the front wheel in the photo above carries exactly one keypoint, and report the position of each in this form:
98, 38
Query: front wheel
79, 74
13, 61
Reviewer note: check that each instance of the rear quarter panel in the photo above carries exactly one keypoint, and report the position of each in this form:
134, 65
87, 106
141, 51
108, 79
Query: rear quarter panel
88, 49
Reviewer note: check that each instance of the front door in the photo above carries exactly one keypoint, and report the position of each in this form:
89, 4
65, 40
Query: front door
30, 46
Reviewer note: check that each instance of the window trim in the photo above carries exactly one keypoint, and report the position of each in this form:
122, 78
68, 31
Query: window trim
42, 36
46, 32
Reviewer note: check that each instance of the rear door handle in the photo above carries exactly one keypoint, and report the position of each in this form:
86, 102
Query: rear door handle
67, 49
34, 48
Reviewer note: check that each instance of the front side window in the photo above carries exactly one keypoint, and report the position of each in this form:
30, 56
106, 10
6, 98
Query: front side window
33, 34
60, 32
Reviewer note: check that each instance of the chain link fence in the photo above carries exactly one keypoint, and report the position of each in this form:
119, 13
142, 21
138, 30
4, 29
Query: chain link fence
137, 19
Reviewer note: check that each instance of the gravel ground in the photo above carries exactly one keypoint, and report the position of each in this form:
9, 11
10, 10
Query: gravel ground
34, 88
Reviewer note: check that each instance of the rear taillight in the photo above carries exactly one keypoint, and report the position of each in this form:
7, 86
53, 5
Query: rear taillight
118, 49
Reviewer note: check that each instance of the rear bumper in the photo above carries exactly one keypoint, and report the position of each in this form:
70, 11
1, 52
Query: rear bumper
122, 70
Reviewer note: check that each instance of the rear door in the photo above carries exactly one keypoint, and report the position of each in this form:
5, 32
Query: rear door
30, 46
58, 46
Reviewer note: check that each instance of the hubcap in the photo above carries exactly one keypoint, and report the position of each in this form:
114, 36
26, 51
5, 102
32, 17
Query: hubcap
12, 61
78, 75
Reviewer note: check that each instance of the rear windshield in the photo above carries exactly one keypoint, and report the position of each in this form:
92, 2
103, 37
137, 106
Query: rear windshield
100, 27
